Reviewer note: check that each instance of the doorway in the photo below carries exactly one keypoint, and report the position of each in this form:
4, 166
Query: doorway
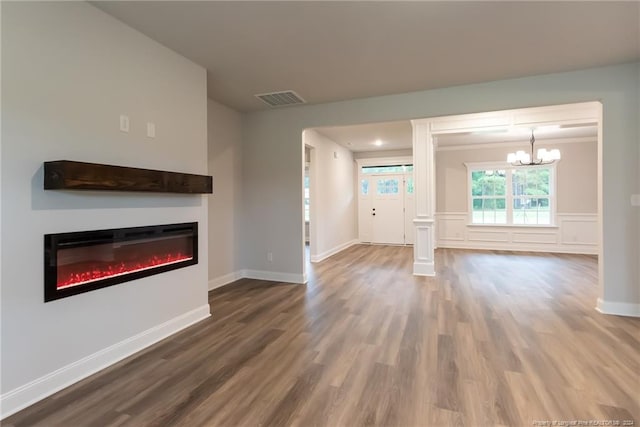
307, 202
479, 196
385, 201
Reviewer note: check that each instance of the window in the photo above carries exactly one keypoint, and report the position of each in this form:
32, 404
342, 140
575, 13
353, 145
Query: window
410, 185
364, 187
306, 194
387, 169
513, 196
488, 192
387, 186
531, 198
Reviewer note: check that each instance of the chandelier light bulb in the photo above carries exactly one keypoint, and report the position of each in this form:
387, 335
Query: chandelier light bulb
543, 154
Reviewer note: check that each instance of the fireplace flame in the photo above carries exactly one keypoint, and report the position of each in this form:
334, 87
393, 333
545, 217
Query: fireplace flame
81, 273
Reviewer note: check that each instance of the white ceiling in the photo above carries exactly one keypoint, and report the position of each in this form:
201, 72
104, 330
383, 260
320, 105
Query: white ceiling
392, 136
398, 135
332, 50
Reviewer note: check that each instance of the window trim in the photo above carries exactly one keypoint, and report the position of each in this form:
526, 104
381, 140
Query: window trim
480, 166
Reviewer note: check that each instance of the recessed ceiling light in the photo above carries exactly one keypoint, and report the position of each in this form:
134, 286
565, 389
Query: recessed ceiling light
378, 143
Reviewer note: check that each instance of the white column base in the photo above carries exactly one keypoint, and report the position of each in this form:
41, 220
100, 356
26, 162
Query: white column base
423, 255
618, 308
424, 269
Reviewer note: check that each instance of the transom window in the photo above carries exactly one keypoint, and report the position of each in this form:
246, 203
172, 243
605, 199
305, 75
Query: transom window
511, 196
387, 169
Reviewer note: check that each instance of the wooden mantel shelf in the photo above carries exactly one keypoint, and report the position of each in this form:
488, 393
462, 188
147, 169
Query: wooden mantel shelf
70, 175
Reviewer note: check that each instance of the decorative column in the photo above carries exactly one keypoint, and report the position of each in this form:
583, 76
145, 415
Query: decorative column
425, 190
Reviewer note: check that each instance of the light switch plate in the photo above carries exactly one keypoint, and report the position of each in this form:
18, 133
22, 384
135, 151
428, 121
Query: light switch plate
151, 130
635, 200
124, 123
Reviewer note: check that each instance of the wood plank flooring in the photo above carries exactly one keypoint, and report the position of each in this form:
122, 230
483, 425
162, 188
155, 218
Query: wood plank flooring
497, 338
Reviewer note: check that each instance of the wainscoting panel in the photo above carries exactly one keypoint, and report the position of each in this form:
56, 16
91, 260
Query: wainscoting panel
487, 235
573, 233
579, 230
451, 227
535, 237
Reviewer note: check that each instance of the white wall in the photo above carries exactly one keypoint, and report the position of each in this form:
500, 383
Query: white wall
380, 154
225, 164
68, 72
332, 193
272, 153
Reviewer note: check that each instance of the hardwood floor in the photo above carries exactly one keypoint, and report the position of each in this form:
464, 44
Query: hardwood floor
497, 338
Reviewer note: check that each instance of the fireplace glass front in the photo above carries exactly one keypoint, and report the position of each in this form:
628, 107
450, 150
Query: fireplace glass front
84, 261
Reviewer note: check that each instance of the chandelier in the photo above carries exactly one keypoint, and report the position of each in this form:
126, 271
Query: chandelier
544, 157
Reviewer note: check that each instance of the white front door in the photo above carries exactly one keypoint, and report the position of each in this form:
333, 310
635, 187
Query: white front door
387, 209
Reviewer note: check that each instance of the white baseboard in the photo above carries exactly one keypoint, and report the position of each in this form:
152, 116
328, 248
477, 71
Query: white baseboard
618, 308
224, 280
423, 269
30, 393
326, 254
274, 276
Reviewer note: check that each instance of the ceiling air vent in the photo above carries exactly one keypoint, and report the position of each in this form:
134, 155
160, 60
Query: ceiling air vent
279, 99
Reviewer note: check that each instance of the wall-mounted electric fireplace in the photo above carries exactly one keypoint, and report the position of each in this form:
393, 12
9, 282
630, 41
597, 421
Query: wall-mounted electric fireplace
88, 260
